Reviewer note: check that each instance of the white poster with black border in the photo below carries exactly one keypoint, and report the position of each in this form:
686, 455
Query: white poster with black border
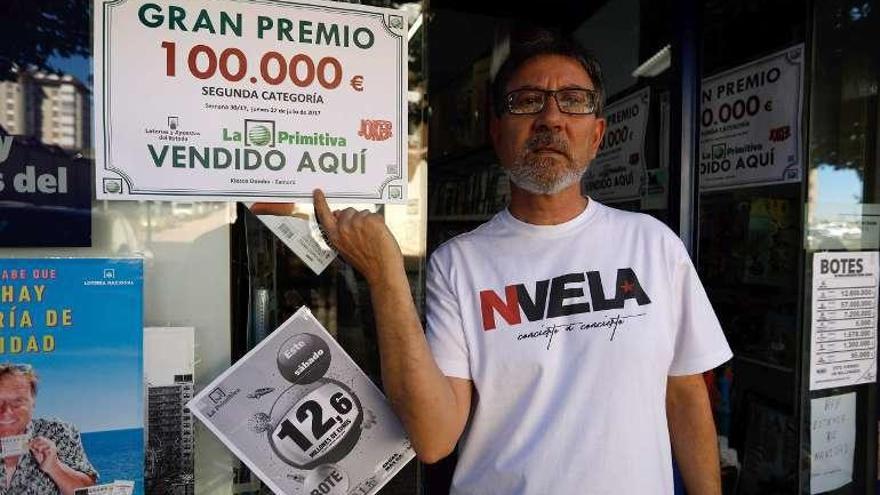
750, 123
303, 417
250, 100
617, 172
844, 319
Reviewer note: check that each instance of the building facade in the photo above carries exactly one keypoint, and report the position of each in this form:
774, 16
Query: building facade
56, 109
170, 439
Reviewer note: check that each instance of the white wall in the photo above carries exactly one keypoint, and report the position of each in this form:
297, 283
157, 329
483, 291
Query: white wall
168, 351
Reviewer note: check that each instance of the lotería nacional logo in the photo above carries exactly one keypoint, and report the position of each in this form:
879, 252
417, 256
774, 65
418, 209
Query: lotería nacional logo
259, 133
108, 277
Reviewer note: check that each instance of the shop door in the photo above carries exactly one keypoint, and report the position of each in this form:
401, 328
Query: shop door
749, 231
841, 226
787, 178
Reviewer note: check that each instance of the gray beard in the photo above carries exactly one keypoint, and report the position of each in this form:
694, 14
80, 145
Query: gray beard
527, 175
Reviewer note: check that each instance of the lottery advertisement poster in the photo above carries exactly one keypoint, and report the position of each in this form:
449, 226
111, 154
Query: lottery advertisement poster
250, 100
302, 416
750, 123
618, 172
71, 365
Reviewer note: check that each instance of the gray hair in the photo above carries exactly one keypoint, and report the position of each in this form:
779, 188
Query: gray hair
528, 42
23, 370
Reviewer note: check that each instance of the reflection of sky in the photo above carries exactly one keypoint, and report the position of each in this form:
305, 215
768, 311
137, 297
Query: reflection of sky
839, 190
78, 67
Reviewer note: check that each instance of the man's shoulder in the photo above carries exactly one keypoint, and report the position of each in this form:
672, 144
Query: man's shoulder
474, 239
636, 220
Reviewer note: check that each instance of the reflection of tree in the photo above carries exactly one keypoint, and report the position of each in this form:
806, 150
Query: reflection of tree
845, 88
164, 472
35, 31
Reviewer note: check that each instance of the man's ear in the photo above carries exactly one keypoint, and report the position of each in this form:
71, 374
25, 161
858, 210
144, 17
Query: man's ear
598, 134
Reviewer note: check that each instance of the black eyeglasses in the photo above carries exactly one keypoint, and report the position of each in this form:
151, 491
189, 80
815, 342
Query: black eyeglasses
577, 101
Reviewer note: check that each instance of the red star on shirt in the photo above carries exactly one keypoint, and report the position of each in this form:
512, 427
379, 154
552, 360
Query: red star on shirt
627, 287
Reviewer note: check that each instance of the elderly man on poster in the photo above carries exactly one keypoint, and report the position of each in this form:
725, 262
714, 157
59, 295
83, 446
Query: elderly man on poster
40, 456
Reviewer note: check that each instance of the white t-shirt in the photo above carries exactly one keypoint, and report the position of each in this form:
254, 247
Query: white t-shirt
568, 333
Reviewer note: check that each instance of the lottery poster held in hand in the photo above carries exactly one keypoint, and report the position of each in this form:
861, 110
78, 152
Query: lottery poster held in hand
618, 171
844, 319
302, 416
250, 101
750, 123
71, 347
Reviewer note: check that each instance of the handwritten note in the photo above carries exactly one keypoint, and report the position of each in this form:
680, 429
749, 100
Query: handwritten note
832, 441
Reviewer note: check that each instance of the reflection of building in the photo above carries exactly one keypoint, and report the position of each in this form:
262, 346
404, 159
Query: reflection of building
54, 109
168, 370
170, 442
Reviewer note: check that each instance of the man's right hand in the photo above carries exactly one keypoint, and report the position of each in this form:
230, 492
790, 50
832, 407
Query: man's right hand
66, 478
362, 238
434, 408
45, 452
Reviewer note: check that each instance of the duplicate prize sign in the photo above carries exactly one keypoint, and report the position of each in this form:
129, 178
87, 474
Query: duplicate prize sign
249, 100
617, 173
750, 123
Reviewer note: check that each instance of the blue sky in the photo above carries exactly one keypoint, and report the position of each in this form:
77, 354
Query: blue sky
840, 192
839, 186
79, 67
94, 376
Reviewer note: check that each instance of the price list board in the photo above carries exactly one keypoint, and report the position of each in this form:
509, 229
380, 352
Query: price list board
844, 319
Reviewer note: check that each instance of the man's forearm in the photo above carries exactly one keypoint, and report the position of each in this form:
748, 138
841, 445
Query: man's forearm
68, 479
431, 406
419, 392
692, 430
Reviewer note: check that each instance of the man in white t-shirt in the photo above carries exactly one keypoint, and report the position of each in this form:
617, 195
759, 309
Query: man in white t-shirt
565, 339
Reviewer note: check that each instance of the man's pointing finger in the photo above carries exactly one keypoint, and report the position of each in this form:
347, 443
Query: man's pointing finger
322, 209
